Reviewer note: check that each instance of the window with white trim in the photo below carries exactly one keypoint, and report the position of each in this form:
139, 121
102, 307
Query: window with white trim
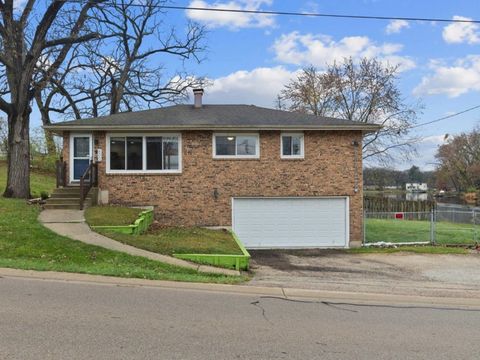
236, 146
292, 146
140, 153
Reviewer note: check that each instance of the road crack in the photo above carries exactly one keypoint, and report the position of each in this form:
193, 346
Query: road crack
338, 305
257, 304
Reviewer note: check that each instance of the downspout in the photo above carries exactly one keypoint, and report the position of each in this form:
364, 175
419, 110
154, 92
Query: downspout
355, 144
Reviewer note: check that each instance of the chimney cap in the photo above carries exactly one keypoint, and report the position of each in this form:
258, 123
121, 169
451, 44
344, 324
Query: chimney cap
198, 90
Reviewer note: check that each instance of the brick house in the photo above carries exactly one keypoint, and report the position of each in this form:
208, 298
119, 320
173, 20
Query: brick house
280, 179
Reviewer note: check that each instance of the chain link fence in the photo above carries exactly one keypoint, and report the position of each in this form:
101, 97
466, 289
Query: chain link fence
446, 225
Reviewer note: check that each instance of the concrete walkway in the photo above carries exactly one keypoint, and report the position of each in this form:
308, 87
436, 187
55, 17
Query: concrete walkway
71, 223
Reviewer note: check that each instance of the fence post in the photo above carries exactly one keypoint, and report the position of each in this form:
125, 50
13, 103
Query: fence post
364, 227
474, 215
432, 226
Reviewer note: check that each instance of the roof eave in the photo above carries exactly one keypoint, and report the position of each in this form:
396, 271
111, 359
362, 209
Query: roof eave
62, 128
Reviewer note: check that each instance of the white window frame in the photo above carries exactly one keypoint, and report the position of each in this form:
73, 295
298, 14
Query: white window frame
302, 146
257, 146
144, 153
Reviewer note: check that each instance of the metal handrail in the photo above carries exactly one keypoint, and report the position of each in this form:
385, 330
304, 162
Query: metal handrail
88, 180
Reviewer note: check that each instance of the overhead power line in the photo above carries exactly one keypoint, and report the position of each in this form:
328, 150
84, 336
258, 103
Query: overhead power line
294, 13
446, 117
344, 16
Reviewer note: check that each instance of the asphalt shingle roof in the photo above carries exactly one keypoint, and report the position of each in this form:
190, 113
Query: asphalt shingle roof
211, 117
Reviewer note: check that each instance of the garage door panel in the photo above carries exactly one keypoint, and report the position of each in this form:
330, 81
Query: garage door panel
291, 222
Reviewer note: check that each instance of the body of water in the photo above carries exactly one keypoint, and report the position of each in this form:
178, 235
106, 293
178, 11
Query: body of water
399, 195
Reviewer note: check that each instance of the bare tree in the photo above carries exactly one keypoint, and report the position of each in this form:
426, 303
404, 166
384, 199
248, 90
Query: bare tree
124, 71
29, 38
311, 92
365, 92
54, 98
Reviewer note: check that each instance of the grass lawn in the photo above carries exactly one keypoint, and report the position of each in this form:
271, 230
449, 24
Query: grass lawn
111, 215
411, 230
27, 244
177, 240
38, 181
163, 240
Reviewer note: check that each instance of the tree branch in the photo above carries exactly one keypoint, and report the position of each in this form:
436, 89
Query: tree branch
26, 11
72, 40
5, 106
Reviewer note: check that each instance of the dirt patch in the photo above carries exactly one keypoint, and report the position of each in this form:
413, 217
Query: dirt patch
320, 261
315, 261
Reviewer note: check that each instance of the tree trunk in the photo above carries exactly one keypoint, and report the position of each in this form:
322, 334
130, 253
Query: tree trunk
18, 177
50, 142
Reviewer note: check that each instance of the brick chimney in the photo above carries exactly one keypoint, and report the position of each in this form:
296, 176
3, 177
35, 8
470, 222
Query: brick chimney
198, 94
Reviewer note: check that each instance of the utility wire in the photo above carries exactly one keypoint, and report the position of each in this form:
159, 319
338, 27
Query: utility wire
445, 117
343, 16
293, 13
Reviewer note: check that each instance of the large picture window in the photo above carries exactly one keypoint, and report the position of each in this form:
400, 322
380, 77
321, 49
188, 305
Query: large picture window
236, 146
145, 154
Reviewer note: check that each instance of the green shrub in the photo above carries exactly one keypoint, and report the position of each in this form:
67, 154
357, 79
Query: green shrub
44, 195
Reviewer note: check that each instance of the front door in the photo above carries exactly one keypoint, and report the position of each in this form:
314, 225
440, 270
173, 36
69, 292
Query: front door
80, 155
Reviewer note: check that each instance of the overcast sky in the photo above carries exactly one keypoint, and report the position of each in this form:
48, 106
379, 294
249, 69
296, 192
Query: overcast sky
251, 57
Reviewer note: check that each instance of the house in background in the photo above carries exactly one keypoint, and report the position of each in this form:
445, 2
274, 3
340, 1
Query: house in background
416, 187
280, 179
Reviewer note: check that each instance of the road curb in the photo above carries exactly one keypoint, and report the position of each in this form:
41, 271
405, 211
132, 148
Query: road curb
277, 292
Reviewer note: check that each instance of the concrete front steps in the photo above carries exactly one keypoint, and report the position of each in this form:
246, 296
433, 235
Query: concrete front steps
69, 198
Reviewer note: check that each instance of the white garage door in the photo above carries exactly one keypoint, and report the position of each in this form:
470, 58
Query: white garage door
291, 222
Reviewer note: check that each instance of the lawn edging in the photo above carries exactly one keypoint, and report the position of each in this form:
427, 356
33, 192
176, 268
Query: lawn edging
145, 219
237, 262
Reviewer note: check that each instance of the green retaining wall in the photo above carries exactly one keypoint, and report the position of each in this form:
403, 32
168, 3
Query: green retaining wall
237, 262
145, 219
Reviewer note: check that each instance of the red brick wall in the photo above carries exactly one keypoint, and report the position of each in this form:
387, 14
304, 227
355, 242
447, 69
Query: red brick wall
188, 198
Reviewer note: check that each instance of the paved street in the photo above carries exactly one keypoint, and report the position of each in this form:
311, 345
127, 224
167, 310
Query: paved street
41, 319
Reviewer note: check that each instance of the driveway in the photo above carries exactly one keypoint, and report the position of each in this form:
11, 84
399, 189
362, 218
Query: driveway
398, 273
